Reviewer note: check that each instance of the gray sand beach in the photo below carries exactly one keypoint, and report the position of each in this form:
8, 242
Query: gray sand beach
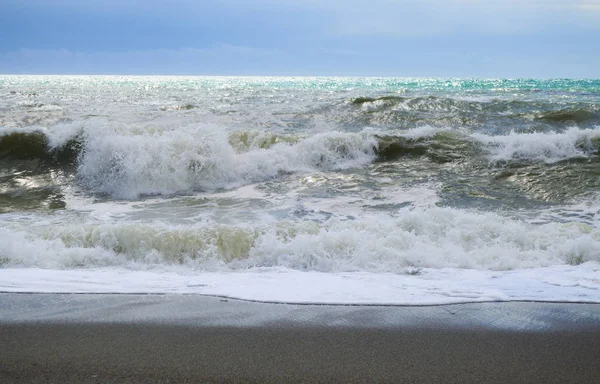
69, 338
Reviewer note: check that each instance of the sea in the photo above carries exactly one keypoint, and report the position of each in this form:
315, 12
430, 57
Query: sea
339, 190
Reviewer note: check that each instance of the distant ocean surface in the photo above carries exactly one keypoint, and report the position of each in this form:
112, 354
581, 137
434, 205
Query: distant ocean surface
342, 190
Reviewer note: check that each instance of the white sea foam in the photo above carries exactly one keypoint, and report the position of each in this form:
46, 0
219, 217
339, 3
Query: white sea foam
348, 244
427, 287
421, 132
414, 238
546, 146
126, 163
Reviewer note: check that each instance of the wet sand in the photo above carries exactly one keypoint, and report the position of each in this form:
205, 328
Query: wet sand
62, 338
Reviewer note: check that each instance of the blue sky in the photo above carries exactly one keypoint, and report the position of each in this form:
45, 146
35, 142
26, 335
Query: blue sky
456, 38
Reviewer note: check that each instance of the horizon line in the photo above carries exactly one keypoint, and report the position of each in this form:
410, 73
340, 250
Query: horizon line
302, 76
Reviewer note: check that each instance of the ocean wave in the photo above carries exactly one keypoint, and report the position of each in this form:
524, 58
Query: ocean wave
446, 145
127, 165
126, 162
131, 161
439, 146
413, 238
366, 100
570, 115
247, 140
548, 147
177, 107
573, 111
34, 146
407, 111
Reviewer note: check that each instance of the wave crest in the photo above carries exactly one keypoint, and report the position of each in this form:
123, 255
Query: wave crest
548, 147
429, 238
200, 158
36, 145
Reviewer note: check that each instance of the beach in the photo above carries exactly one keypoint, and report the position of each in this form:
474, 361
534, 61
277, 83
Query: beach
299, 191
299, 229
66, 338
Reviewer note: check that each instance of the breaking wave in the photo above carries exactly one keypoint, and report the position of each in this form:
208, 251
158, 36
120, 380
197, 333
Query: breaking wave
546, 147
413, 238
127, 162
36, 145
500, 113
199, 158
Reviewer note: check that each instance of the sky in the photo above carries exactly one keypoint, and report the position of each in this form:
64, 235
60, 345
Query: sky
430, 38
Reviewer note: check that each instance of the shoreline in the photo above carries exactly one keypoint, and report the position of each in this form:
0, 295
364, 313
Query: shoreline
90, 338
304, 303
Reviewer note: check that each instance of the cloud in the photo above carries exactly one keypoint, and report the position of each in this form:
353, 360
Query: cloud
436, 17
590, 5
311, 37
392, 18
409, 18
